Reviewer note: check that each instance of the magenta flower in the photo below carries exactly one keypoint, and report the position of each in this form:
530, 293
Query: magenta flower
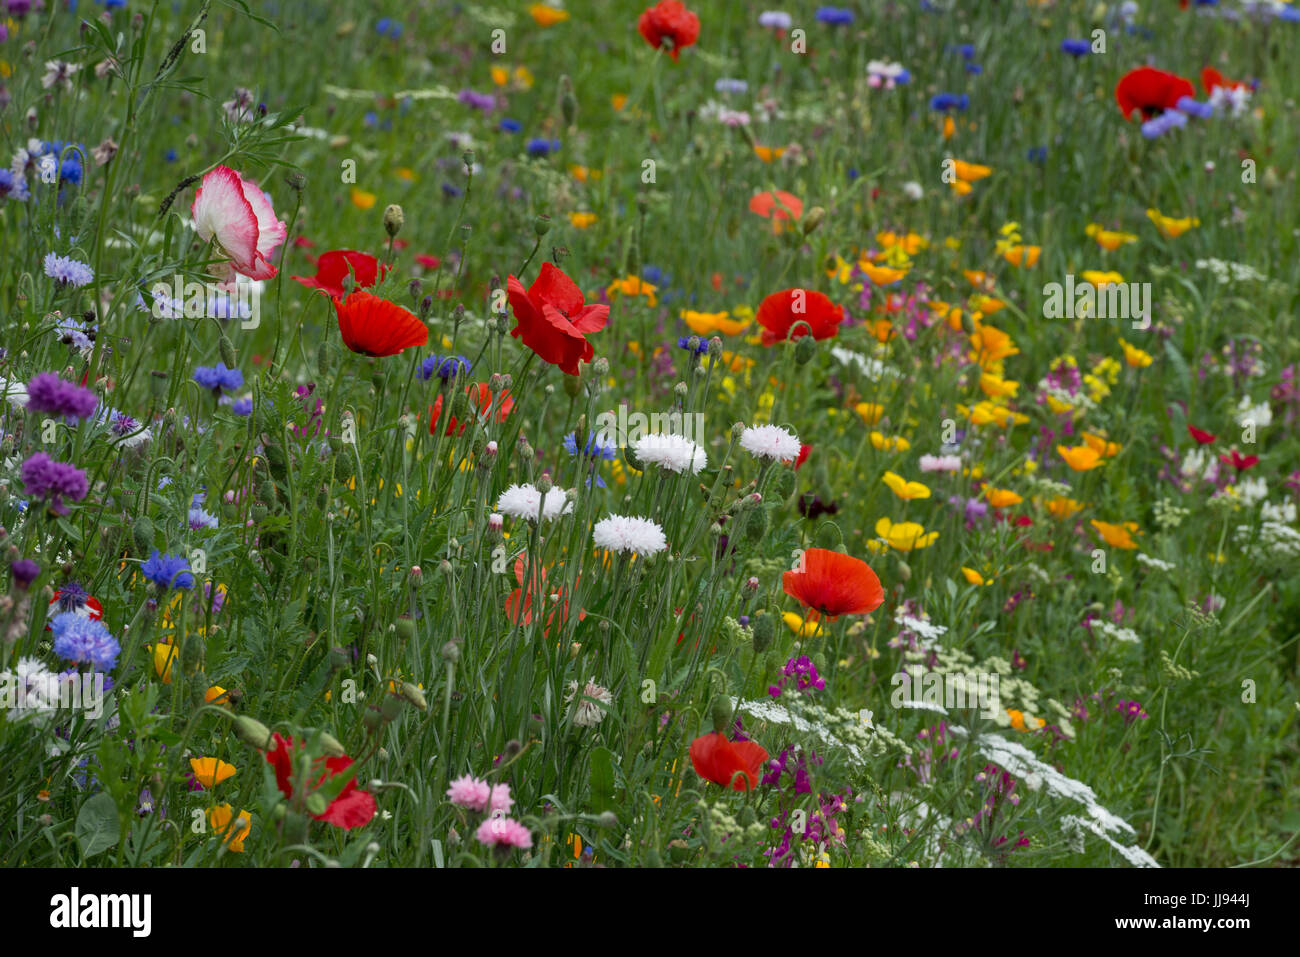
45, 478
504, 832
48, 393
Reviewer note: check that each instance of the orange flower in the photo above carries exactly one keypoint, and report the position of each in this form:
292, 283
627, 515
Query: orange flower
1080, 458
1107, 450
991, 345
1116, 536
1001, 497
733, 764
1063, 508
211, 771
833, 584
376, 327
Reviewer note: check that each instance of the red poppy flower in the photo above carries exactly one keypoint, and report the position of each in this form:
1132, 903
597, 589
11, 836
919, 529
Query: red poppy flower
428, 262
1201, 436
91, 609
833, 584
352, 808
1210, 78
1238, 461
552, 318
733, 764
804, 451
302, 242
669, 20
376, 327
776, 204
1151, 91
332, 268
480, 395
559, 615
780, 311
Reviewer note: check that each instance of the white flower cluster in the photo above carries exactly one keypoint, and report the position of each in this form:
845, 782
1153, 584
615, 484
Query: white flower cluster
1225, 272
1127, 635
1276, 541
1156, 563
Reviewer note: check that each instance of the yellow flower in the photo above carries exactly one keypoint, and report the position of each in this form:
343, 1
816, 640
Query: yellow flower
903, 488
524, 77
769, 153
905, 536
1080, 458
889, 443
974, 577
217, 695
1135, 357
949, 127
800, 627
970, 172
583, 174
996, 387
881, 275
1169, 226
362, 199
870, 412
1058, 406
500, 75
219, 818
211, 771
618, 101
634, 286
547, 16
1101, 279
911, 244
1063, 508
1116, 536
163, 655
582, 220
1108, 240
1001, 497
405, 174
991, 345
708, 323
1098, 443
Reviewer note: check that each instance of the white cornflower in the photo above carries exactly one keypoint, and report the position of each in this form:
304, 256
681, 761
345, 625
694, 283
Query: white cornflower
622, 533
525, 501
770, 442
587, 714
675, 453
940, 463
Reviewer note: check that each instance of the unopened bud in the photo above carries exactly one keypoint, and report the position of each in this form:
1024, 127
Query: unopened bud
394, 218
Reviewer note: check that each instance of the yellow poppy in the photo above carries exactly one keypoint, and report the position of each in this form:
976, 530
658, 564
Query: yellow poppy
905, 536
1063, 508
1108, 240
1135, 357
903, 488
545, 15
582, 220
869, 412
1170, 227
362, 199
220, 819
211, 771
1080, 458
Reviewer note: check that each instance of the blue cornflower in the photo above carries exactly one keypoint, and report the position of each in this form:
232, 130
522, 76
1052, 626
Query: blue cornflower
1038, 154
13, 186
967, 50
701, 344
370, 119
168, 571
79, 639
171, 156
1191, 107
654, 275
974, 68
1076, 48
949, 101
728, 85
68, 272
541, 146
242, 406
218, 377
198, 516
598, 447
450, 190
444, 367
836, 16
510, 126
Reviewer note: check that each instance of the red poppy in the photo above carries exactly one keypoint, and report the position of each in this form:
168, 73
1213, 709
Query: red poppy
552, 318
1201, 436
1210, 78
1238, 461
833, 584
776, 204
538, 586
376, 327
428, 262
352, 808
733, 764
480, 395
332, 268
669, 20
1151, 91
91, 609
302, 242
804, 451
780, 311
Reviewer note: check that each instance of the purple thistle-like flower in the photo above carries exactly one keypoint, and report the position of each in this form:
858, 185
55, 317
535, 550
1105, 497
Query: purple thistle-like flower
49, 393
45, 478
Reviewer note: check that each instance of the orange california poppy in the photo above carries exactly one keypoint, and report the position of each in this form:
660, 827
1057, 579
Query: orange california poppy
833, 584
777, 204
733, 764
376, 327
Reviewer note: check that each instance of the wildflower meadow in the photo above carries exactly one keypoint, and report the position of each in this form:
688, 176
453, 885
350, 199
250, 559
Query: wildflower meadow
611, 435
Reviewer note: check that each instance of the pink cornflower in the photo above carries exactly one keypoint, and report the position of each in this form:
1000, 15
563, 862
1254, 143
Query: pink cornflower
501, 802
504, 832
470, 793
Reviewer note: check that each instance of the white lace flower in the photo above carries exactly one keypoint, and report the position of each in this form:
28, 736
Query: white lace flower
623, 533
770, 442
675, 453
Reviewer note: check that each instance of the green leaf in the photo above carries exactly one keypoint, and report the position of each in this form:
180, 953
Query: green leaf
97, 825
602, 780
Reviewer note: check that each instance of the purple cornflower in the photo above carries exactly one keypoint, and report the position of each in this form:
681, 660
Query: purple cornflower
218, 377
71, 597
45, 478
25, 572
479, 101
79, 640
47, 392
168, 571
68, 272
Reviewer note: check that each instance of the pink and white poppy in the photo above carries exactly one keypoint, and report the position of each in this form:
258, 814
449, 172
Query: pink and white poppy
237, 216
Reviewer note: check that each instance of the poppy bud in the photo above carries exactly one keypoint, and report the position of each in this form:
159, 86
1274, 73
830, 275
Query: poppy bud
142, 534
331, 746
259, 512
158, 385
251, 731
764, 629
805, 348
227, 350
812, 219
405, 629
721, 712
266, 492
391, 707
573, 384
757, 526
323, 358
317, 804
542, 225
513, 747
451, 652
297, 182
414, 695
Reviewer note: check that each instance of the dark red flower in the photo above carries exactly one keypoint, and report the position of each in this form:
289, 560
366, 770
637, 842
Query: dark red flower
552, 318
479, 395
352, 808
733, 764
428, 262
302, 242
333, 267
376, 327
1238, 461
780, 311
833, 584
1201, 436
1150, 90
804, 451
669, 20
